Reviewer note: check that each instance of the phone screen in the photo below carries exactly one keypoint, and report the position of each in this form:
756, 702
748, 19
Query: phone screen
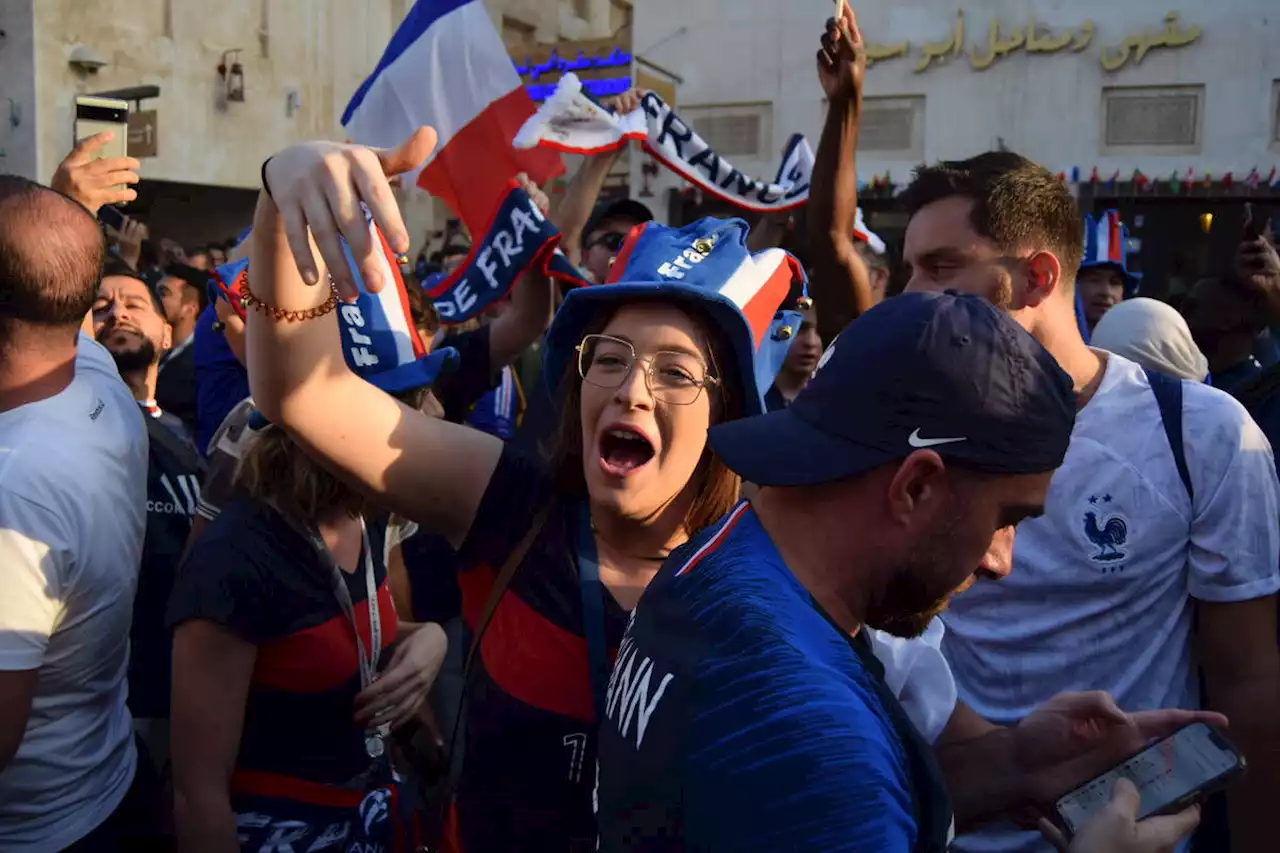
111, 216
1250, 226
96, 115
1167, 771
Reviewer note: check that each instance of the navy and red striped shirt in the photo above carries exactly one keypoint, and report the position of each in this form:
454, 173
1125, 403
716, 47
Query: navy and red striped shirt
530, 758
256, 576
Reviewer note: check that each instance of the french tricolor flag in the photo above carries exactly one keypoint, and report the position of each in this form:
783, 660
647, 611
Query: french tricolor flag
446, 67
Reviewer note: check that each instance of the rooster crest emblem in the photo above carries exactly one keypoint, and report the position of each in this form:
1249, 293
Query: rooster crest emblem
1107, 532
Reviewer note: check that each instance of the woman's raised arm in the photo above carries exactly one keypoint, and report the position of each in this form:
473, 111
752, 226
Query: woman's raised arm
428, 470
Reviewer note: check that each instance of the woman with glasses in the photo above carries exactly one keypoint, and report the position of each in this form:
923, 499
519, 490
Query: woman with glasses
685, 337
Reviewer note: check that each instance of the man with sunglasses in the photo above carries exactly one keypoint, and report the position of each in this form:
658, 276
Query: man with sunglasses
606, 230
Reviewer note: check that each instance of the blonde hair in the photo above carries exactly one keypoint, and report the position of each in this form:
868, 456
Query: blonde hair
276, 470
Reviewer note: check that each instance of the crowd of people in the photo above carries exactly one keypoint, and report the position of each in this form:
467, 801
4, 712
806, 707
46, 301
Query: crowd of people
723, 560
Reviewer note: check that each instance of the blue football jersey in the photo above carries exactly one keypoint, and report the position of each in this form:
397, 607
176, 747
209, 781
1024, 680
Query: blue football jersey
741, 718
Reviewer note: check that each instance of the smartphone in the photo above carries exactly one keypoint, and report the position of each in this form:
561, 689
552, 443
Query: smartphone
96, 115
112, 217
1170, 775
1251, 230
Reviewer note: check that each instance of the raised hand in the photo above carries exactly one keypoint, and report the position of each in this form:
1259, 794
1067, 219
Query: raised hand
842, 61
130, 238
627, 102
318, 187
95, 181
1258, 264
535, 193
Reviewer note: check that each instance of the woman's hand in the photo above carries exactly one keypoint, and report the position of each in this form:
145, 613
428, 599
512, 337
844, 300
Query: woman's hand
1116, 829
399, 691
318, 187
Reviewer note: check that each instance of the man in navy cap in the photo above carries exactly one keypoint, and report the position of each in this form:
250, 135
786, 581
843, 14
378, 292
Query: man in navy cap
746, 710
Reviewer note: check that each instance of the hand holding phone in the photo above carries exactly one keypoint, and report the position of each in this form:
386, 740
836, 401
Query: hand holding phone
112, 217
1169, 775
1251, 231
1117, 829
95, 181
1257, 261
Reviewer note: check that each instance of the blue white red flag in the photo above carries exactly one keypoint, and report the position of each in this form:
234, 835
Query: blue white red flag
446, 67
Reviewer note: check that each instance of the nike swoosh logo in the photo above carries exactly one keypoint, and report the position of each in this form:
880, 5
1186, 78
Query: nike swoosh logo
916, 441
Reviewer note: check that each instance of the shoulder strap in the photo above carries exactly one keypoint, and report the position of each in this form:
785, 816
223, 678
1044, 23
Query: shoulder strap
1168, 391
499, 589
500, 584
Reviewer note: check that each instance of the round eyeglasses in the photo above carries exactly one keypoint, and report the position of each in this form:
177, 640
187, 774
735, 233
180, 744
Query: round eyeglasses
672, 377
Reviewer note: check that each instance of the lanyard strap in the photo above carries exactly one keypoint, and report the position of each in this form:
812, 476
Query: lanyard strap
368, 657
592, 610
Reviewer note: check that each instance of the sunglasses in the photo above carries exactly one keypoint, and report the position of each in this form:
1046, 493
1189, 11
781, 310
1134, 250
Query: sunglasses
611, 240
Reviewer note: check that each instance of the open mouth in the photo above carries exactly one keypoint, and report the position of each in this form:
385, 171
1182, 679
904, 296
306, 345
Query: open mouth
623, 451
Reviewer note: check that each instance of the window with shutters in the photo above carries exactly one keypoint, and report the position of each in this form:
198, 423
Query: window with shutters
1161, 119
893, 126
733, 130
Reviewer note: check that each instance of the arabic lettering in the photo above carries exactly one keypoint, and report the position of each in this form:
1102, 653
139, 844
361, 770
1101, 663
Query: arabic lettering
1137, 46
596, 88
942, 50
582, 61
1039, 41
1084, 37
881, 52
1036, 37
996, 47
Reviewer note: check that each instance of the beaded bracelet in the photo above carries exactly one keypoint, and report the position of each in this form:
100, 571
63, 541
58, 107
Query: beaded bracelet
249, 300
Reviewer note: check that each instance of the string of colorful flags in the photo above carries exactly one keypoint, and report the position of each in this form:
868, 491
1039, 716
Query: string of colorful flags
1177, 183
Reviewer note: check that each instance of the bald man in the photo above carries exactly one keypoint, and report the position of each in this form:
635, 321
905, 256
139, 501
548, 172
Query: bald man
73, 470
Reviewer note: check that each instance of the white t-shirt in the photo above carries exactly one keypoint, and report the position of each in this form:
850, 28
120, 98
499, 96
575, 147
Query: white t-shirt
73, 482
917, 673
1101, 592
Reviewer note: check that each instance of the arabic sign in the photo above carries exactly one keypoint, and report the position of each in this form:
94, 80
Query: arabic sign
1034, 38
596, 88
587, 59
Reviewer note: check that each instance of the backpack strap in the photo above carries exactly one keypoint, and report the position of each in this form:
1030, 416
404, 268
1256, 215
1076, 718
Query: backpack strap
1168, 391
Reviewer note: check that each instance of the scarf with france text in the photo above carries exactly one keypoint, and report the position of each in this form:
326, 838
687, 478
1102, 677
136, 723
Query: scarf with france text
571, 121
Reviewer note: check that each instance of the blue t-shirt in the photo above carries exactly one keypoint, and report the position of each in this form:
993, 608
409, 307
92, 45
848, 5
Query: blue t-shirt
741, 718
221, 380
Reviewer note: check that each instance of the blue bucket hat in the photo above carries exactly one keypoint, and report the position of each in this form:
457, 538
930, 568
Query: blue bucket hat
1106, 242
919, 371
705, 264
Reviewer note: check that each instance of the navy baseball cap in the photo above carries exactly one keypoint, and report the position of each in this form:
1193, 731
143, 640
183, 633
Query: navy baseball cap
921, 370
629, 209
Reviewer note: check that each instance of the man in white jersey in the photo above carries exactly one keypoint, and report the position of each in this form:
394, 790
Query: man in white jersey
1129, 570
73, 475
